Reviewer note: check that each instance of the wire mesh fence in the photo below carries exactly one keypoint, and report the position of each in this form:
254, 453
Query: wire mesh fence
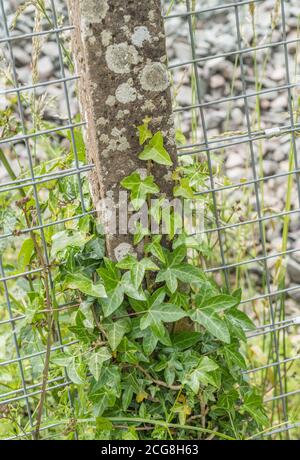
225, 95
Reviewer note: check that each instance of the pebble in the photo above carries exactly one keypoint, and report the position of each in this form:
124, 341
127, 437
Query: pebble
45, 68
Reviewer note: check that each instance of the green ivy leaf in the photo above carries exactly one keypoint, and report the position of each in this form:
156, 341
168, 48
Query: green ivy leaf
156, 152
155, 248
185, 339
96, 360
200, 374
218, 303
74, 374
85, 285
116, 331
25, 253
228, 400
113, 301
62, 240
140, 188
210, 321
183, 189
165, 313
234, 357
102, 398
144, 131
239, 318
137, 268
184, 272
253, 405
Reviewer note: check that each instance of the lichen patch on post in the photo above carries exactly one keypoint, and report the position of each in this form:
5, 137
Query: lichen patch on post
121, 57
141, 34
94, 11
106, 37
111, 100
154, 77
125, 93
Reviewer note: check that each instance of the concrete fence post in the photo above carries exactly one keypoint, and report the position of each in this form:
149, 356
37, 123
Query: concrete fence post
119, 52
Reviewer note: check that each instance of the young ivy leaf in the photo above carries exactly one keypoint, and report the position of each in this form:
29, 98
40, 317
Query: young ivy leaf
137, 268
139, 188
25, 253
184, 189
156, 152
144, 131
155, 248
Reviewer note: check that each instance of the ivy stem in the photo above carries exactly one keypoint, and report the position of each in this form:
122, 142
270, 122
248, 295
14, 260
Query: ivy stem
163, 424
157, 382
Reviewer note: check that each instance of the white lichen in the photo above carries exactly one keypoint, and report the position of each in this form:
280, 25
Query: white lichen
141, 34
125, 93
93, 11
111, 100
154, 77
106, 37
123, 250
121, 57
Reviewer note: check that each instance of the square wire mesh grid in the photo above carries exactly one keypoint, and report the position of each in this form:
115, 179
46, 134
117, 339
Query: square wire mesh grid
235, 72
219, 56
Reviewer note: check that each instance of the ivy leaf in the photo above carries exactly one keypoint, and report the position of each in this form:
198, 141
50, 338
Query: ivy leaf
149, 342
137, 268
85, 285
167, 313
102, 398
200, 374
113, 301
155, 248
210, 321
184, 272
253, 405
130, 290
228, 400
219, 302
62, 359
140, 188
234, 357
239, 318
64, 239
185, 339
109, 274
183, 189
116, 331
144, 131
73, 371
156, 152
96, 360
25, 253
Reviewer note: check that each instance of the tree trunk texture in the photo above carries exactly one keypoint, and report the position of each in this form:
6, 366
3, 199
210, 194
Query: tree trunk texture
120, 55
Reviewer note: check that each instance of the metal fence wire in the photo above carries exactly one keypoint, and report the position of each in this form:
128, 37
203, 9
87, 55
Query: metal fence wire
235, 82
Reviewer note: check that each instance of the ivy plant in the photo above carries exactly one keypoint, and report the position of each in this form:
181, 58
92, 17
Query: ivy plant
159, 352
155, 344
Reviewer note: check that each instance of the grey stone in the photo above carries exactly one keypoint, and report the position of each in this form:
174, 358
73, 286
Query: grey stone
293, 269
